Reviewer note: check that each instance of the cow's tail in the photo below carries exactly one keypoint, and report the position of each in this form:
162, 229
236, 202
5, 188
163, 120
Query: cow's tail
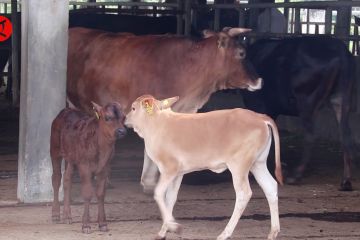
275, 133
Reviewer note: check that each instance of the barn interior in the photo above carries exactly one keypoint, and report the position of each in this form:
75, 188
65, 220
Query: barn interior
313, 208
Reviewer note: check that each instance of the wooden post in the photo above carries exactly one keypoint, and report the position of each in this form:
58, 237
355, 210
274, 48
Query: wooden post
15, 54
43, 93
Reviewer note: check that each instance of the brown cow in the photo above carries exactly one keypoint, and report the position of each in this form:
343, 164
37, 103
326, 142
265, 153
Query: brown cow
181, 143
86, 142
107, 67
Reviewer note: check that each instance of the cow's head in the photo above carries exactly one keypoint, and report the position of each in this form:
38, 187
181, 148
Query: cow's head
111, 119
144, 108
238, 72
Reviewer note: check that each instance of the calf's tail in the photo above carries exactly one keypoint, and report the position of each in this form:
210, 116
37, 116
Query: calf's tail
275, 133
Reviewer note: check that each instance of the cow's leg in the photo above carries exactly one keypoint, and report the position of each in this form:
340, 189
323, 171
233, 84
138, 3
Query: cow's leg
101, 179
308, 142
149, 175
269, 186
67, 181
342, 115
169, 223
56, 182
86, 192
243, 195
172, 193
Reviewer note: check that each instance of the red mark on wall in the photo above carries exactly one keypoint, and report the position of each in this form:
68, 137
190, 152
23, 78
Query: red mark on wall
5, 28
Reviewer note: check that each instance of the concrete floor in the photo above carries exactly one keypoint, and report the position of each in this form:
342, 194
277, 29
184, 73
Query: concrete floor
313, 210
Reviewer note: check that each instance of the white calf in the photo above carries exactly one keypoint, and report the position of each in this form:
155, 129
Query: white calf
238, 140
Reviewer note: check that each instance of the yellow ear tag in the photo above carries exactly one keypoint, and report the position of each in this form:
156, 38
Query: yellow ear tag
149, 108
165, 102
97, 115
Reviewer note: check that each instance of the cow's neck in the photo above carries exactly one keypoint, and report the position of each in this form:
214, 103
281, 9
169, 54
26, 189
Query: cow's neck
207, 78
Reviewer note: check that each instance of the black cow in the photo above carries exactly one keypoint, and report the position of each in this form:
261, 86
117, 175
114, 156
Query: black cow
300, 75
139, 25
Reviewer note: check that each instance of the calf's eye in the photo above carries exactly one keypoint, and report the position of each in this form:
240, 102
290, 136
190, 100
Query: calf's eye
133, 109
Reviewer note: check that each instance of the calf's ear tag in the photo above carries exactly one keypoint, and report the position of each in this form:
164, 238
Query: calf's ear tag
96, 114
149, 107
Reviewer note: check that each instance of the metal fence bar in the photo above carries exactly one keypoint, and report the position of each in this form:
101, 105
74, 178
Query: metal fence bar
328, 20
15, 54
217, 19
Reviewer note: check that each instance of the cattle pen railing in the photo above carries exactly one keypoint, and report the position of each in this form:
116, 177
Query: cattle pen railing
334, 24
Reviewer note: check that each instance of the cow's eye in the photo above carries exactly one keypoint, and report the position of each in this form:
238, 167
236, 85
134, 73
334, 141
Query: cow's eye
133, 109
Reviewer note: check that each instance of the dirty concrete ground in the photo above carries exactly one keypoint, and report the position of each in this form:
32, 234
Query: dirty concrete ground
313, 210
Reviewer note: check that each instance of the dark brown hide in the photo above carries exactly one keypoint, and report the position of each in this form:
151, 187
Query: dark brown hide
86, 142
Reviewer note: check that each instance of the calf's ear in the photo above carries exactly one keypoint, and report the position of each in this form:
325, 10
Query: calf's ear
167, 103
148, 105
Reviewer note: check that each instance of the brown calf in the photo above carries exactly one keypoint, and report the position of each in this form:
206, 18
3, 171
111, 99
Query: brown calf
86, 142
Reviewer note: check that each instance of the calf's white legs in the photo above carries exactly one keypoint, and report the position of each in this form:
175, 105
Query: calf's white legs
269, 186
149, 175
169, 223
243, 195
172, 192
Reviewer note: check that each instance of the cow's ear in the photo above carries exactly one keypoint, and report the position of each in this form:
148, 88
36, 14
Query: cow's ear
167, 103
208, 33
97, 109
148, 104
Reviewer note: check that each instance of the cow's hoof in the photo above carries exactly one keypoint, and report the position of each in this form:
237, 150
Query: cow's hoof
103, 228
346, 185
86, 229
56, 218
67, 220
294, 180
175, 227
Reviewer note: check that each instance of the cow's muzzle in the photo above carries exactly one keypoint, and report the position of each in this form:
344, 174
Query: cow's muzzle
120, 133
256, 86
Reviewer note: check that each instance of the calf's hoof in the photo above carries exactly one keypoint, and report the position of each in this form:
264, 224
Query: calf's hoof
86, 229
175, 227
149, 189
346, 185
273, 234
158, 237
223, 236
103, 228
